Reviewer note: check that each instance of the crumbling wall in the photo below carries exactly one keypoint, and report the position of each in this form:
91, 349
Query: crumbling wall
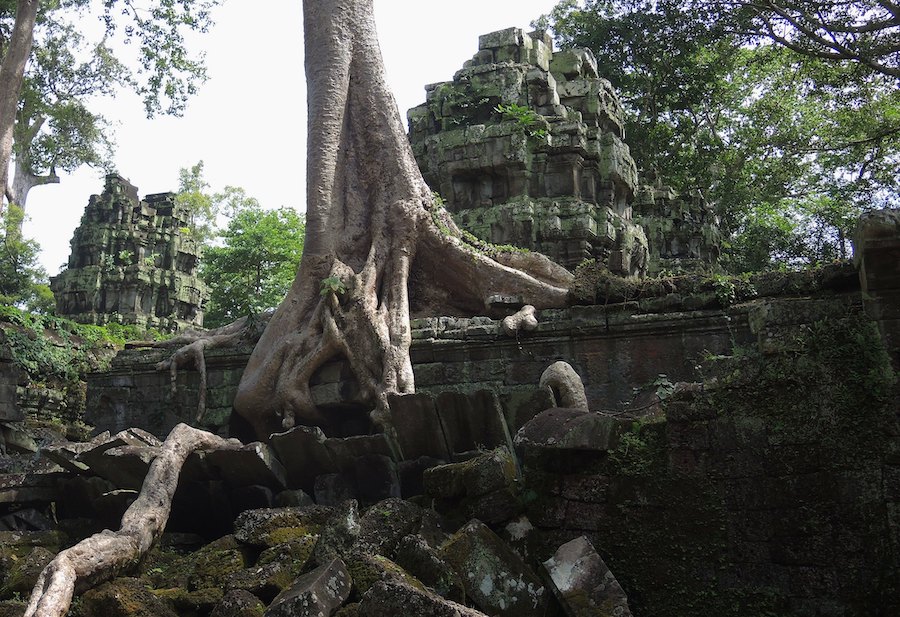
769, 488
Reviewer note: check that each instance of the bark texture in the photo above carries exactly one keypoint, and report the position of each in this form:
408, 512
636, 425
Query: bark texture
104, 555
12, 71
372, 226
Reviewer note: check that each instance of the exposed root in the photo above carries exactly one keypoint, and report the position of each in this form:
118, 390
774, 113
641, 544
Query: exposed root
523, 320
103, 556
565, 385
193, 344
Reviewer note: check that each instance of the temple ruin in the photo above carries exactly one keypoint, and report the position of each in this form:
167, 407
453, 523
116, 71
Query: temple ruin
527, 147
133, 261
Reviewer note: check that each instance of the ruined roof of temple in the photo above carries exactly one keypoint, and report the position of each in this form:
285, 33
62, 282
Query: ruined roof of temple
133, 261
526, 146
538, 123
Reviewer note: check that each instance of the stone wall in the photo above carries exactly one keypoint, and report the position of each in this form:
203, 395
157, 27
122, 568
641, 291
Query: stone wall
768, 484
613, 348
10, 375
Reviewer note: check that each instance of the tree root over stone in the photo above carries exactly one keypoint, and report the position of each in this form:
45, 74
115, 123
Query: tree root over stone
193, 344
103, 556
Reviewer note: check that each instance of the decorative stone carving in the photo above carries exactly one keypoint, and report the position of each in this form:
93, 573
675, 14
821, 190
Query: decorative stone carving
526, 147
133, 261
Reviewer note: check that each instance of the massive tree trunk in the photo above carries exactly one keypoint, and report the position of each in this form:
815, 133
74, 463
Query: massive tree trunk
371, 220
12, 71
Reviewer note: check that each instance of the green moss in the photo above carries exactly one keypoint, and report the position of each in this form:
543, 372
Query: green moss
283, 535
366, 570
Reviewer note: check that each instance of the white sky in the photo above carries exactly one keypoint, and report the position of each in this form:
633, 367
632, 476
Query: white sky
248, 122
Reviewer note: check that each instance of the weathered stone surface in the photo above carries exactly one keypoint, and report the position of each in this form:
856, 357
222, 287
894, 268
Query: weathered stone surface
293, 498
418, 558
682, 230
478, 476
238, 603
132, 262
495, 578
316, 594
384, 524
28, 488
271, 526
366, 569
24, 573
124, 466
525, 146
264, 581
16, 440
390, 599
418, 427
471, 421
376, 478
583, 584
254, 463
303, 453
332, 489
339, 533
569, 429
124, 597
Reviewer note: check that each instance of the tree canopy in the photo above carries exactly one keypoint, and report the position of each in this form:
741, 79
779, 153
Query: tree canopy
252, 270
141, 46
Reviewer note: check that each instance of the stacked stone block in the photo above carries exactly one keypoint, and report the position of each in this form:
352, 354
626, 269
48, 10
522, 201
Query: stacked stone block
682, 229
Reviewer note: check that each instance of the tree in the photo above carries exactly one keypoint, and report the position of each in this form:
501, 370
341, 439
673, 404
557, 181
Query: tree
166, 75
16, 49
55, 130
863, 31
372, 228
193, 195
253, 270
23, 282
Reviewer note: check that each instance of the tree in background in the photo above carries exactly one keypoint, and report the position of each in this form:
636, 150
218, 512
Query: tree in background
863, 31
253, 269
791, 147
202, 206
165, 77
55, 130
23, 282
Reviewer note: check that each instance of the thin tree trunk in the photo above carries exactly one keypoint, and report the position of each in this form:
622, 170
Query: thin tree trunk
12, 72
23, 182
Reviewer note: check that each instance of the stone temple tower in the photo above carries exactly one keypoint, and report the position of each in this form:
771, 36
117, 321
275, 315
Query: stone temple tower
526, 147
133, 261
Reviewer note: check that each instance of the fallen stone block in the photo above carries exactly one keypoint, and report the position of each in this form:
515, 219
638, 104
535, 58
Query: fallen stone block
568, 429
271, 526
303, 454
390, 599
254, 463
495, 578
583, 584
316, 594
